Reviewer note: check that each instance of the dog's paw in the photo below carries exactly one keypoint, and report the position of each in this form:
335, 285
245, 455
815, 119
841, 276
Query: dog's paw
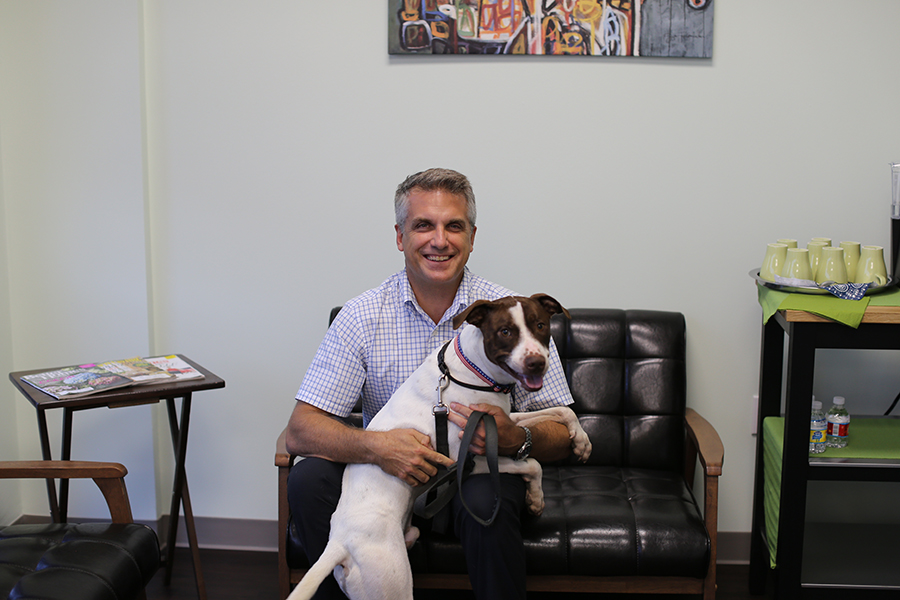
410, 537
581, 445
534, 501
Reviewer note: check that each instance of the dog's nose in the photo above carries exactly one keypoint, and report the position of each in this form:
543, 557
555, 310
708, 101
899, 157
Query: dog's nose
535, 364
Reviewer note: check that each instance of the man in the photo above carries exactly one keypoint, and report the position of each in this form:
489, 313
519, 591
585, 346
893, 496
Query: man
377, 340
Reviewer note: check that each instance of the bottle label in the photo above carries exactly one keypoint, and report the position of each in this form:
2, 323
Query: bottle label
838, 429
816, 436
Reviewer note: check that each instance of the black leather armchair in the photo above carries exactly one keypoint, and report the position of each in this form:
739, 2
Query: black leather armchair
60, 561
627, 521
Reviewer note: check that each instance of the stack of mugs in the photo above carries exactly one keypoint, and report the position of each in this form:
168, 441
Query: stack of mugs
822, 263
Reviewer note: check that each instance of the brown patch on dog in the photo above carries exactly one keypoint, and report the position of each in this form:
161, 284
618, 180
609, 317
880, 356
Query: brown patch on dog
501, 333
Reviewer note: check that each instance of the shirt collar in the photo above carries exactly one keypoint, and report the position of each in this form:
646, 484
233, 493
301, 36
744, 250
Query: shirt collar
460, 301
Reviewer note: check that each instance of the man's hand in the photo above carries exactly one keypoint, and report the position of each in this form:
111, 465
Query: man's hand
510, 436
550, 439
407, 454
404, 453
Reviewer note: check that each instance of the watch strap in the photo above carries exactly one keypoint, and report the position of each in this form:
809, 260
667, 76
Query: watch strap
525, 450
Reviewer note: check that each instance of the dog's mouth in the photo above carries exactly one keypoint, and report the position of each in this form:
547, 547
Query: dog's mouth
531, 383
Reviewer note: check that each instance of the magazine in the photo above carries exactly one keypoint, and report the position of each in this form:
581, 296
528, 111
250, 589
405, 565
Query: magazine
138, 370
75, 382
176, 366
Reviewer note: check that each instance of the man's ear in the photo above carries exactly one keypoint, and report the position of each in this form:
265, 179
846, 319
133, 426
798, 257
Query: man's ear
399, 231
474, 314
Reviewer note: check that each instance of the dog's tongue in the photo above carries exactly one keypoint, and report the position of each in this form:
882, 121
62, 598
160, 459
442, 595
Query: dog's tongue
532, 383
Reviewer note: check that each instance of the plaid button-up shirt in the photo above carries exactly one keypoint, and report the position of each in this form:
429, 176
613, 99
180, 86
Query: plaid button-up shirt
380, 337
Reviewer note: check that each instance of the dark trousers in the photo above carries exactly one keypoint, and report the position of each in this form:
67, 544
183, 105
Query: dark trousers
495, 555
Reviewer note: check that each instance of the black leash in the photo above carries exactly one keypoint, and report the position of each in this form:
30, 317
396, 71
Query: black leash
438, 491
428, 504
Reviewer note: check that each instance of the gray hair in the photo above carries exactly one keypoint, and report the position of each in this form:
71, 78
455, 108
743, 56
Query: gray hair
431, 180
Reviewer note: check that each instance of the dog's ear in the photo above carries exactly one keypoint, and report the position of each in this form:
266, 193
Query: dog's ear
550, 304
474, 314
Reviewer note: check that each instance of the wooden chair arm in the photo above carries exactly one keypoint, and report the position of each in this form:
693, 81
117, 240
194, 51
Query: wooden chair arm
109, 477
283, 458
707, 442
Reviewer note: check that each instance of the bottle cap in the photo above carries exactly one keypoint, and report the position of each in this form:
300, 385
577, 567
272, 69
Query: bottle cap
838, 399
816, 405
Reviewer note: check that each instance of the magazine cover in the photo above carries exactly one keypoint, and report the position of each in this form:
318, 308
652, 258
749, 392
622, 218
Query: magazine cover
176, 366
74, 382
138, 370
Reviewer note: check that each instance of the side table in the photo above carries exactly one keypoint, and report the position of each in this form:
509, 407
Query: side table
130, 396
879, 329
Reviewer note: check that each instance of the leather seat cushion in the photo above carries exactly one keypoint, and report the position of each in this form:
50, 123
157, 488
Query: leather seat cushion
77, 561
597, 521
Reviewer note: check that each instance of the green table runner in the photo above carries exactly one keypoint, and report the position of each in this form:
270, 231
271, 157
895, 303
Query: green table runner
848, 312
874, 438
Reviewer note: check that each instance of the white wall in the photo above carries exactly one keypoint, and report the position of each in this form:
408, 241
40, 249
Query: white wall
10, 491
72, 169
275, 133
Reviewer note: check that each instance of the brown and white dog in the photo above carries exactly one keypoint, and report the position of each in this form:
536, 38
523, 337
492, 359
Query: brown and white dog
508, 340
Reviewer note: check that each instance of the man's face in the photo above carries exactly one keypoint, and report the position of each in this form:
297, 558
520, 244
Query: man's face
436, 238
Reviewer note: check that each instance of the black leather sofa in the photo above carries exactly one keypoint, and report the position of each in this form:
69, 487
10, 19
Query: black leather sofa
627, 520
65, 561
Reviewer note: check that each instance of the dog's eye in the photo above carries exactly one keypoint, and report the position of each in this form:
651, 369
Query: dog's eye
540, 325
504, 332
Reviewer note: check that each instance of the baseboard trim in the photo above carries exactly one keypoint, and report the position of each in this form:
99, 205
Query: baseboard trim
215, 533
733, 548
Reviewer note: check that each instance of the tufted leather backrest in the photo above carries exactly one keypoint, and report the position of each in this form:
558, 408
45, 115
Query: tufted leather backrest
626, 370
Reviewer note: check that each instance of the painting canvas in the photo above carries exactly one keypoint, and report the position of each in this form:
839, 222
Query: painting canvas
661, 28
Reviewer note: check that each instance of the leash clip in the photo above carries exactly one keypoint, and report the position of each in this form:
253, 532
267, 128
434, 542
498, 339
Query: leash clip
440, 407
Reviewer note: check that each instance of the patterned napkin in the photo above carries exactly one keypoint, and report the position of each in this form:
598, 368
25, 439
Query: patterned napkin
844, 291
848, 291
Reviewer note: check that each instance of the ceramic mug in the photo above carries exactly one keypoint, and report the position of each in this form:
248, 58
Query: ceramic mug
831, 266
789, 242
796, 265
851, 258
773, 261
815, 255
871, 268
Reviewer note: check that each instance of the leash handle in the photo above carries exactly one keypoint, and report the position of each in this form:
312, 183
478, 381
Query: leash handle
430, 499
491, 439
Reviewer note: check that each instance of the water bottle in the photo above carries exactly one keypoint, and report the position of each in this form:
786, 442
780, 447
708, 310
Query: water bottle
838, 424
817, 426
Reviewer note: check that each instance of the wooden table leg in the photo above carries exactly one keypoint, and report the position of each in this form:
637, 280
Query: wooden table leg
795, 462
65, 454
770, 379
181, 495
45, 452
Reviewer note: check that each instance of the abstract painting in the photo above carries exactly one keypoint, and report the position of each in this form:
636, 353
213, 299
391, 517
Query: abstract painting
660, 28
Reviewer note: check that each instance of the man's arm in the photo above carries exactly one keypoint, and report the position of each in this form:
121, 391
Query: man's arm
403, 453
549, 439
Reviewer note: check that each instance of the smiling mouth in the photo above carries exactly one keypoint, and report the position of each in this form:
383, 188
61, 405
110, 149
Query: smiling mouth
436, 258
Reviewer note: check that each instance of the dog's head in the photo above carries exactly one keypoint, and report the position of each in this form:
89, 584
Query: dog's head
516, 333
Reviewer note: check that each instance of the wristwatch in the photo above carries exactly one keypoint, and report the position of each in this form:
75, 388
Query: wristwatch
525, 450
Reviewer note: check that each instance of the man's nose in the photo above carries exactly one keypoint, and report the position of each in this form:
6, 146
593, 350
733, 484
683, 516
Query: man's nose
439, 239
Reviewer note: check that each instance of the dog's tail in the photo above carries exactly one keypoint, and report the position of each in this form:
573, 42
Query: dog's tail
333, 555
